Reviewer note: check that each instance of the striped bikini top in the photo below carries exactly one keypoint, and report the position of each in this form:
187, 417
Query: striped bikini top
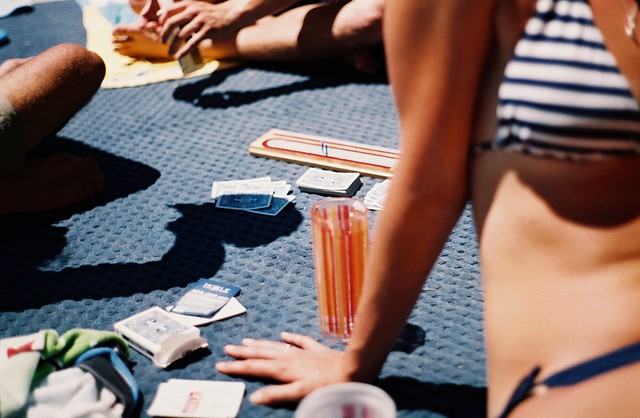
563, 95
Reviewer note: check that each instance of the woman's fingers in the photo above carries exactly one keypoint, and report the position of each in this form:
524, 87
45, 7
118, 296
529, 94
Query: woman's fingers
302, 341
288, 392
187, 23
192, 36
265, 368
171, 20
297, 384
257, 349
266, 344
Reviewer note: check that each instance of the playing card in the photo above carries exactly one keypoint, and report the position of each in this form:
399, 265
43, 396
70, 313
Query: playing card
258, 195
197, 399
375, 198
326, 180
250, 196
193, 60
218, 187
205, 297
281, 190
331, 183
277, 204
229, 310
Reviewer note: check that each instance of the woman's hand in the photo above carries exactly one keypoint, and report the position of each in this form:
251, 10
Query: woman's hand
193, 21
147, 13
300, 362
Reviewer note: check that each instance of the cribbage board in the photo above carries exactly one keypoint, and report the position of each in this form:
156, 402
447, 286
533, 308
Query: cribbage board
330, 153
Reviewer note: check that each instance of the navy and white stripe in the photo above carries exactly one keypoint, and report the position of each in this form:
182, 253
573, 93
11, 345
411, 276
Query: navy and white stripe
563, 95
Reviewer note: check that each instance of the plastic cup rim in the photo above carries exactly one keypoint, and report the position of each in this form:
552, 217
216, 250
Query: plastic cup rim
314, 399
353, 202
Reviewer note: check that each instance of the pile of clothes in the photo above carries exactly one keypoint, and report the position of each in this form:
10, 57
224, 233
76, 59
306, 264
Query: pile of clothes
81, 373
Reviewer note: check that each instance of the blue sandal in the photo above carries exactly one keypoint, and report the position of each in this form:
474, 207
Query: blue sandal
4, 37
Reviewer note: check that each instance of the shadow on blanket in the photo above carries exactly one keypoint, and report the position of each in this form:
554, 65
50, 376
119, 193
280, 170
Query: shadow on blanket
123, 176
317, 76
29, 241
186, 262
445, 399
450, 400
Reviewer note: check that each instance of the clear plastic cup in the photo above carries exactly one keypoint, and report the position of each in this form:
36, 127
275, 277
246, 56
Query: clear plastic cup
347, 400
340, 229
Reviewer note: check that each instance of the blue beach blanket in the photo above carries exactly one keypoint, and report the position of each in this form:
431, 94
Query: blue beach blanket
154, 230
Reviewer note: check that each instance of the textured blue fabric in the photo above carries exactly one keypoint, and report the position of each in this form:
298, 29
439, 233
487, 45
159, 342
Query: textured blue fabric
154, 229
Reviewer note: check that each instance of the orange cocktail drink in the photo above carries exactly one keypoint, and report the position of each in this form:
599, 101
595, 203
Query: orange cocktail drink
340, 229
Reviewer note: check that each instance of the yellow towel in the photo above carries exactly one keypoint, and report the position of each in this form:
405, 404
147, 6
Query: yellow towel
128, 72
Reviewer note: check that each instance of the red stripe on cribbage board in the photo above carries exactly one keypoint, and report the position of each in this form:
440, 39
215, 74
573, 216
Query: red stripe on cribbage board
324, 152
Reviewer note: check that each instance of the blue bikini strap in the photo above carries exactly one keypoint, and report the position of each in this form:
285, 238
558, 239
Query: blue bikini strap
574, 374
602, 364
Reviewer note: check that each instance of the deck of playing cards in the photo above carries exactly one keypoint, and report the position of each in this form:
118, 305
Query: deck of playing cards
155, 334
258, 195
374, 199
197, 399
205, 298
327, 182
229, 310
193, 60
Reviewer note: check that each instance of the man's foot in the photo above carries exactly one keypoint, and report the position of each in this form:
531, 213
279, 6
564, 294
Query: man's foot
135, 42
52, 182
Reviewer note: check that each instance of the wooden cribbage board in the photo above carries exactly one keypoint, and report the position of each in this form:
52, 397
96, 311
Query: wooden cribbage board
329, 153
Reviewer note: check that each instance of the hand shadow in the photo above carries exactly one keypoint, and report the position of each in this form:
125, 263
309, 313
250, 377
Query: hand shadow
411, 337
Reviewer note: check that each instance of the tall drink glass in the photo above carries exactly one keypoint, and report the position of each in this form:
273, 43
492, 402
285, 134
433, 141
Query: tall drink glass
340, 230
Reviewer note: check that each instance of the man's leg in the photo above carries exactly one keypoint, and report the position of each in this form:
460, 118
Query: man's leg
45, 92
313, 32
48, 89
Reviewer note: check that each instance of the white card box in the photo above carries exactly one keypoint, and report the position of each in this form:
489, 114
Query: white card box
155, 334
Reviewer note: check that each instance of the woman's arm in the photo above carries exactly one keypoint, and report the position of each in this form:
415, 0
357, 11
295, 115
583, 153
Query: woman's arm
435, 53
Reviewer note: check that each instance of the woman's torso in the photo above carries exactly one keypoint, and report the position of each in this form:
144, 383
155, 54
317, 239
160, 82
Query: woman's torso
559, 240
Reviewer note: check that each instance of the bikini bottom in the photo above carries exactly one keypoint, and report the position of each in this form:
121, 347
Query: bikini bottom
574, 374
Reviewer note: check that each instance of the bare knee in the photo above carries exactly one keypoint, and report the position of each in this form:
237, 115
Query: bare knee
360, 22
81, 62
53, 86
